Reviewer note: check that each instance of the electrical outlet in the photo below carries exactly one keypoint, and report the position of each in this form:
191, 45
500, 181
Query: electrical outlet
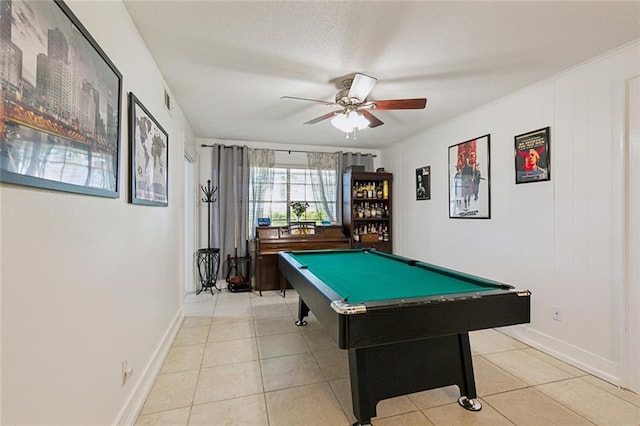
557, 313
127, 371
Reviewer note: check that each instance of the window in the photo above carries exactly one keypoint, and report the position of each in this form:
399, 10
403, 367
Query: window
271, 190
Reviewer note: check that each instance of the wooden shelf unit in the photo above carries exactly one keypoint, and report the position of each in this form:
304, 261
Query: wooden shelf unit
367, 204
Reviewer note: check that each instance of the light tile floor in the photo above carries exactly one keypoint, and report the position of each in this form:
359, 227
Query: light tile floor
238, 359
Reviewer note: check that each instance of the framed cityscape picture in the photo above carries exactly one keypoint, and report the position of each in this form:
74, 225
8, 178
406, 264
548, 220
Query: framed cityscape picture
469, 179
423, 183
148, 157
532, 157
60, 102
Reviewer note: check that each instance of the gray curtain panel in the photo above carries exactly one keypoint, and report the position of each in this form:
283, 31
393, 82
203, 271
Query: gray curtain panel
346, 159
229, 222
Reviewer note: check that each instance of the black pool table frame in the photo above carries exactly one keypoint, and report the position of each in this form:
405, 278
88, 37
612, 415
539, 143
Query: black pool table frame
402, 346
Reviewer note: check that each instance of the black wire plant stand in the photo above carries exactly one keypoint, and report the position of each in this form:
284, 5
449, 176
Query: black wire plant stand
208, 262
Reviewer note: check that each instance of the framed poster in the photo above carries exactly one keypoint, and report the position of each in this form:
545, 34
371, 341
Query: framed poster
148, 157
423, 183
532, 156
60, 98
469, 179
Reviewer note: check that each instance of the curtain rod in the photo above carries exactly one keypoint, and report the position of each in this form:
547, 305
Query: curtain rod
279, 150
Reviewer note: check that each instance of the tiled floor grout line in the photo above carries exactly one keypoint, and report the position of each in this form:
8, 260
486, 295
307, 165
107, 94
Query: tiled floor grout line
484, 401
581, 377
204, 351
221, 297
313, 355
533, 387
561, 404
264, 389
326, 379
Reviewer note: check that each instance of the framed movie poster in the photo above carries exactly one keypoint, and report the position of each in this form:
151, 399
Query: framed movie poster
423, 183
532, 156
469, 180
148, 157
60, 99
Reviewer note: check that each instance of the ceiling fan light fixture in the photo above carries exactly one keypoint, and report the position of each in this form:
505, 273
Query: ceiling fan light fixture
349, 120
354, 110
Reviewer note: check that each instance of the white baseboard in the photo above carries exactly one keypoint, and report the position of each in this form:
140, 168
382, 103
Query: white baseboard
138, 396
591, 363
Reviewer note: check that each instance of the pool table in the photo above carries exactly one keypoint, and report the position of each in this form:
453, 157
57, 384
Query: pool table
405, 323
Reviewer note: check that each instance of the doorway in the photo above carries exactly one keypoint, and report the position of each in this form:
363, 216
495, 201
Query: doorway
190, 202
632, 293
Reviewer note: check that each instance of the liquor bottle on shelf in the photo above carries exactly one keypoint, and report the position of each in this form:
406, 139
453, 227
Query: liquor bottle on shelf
367, 209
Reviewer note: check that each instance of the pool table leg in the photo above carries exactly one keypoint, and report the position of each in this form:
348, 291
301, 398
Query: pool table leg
468, 390
362, 398
303, 311
385, 371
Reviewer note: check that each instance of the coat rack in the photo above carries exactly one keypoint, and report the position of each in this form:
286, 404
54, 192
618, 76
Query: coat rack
208, 258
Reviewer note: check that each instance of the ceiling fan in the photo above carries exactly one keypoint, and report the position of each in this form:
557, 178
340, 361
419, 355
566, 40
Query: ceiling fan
354, 110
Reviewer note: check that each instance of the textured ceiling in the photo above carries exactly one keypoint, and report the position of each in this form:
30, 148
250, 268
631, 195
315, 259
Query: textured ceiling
229, 62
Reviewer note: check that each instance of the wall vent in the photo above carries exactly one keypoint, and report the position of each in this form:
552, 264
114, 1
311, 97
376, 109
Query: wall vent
167, 100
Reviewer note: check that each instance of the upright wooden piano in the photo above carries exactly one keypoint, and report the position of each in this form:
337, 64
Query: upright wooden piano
304, 236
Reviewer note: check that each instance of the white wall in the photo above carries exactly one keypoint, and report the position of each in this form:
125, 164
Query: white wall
87, 281
561, 239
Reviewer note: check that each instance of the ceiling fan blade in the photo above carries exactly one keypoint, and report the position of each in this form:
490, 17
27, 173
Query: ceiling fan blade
322, 117
419, 103
373, 120
361, 86
311, 100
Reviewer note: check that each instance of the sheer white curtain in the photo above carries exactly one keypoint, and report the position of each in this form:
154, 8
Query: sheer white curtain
262, 163
323, 166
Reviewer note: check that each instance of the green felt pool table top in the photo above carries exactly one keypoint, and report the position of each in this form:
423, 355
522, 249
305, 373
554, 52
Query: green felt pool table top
360, 276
